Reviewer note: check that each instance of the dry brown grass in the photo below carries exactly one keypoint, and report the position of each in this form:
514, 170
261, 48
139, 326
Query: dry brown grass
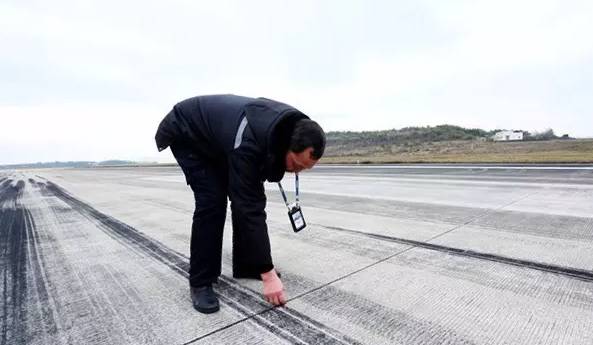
554, 151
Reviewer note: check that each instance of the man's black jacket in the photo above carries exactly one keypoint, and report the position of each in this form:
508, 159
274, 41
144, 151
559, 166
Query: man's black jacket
251, 136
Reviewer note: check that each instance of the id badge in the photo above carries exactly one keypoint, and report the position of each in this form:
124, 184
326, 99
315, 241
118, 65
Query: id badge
296, 218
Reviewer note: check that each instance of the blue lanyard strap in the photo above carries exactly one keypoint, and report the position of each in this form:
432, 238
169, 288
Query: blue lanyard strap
296, 184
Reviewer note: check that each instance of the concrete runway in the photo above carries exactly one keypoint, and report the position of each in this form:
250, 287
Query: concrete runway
392, 255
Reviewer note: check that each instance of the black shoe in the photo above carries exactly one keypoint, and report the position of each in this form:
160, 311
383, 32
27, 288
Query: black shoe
250, 275
204, 299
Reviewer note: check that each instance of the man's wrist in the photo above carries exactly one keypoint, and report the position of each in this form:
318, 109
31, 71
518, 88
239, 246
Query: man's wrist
267, 276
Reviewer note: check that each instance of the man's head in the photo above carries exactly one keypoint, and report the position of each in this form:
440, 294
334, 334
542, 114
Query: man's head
307, 144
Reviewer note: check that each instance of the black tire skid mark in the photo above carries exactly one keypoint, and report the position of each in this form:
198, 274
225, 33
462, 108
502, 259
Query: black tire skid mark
99, 303
13, 254
289, 325
63, 217
58, 307
26, 227
5, 185
560, 270
48, 324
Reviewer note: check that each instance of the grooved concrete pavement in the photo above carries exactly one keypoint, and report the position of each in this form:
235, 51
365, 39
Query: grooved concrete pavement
392, 255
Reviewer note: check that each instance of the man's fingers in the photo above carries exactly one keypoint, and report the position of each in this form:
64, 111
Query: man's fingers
282, 298
277, 298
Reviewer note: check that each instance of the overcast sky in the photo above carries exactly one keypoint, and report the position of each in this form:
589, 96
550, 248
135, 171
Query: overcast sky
90, 80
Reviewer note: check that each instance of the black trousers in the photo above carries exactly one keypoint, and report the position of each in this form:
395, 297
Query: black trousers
208, 180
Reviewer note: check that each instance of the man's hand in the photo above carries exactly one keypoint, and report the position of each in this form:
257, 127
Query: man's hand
273, 288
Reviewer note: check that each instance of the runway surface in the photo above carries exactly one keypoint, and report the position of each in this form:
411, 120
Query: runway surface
391, 255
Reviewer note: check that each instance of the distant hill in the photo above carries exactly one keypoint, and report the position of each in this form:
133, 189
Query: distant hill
340, 141
413, 138
40, 165
453, 144
71, 164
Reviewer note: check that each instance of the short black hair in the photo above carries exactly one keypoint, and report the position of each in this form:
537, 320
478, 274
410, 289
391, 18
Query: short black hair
307, 133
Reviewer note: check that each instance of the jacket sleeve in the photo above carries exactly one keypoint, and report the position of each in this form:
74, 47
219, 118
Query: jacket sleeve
248, 203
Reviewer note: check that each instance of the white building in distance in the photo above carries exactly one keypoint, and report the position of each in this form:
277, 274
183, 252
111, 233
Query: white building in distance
508, 136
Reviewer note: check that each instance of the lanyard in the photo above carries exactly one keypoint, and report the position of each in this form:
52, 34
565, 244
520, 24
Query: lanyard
296, 184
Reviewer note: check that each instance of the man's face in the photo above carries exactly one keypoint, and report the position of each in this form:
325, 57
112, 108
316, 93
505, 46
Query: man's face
297, 162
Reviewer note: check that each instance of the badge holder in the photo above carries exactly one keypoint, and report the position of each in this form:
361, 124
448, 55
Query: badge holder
295, 214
